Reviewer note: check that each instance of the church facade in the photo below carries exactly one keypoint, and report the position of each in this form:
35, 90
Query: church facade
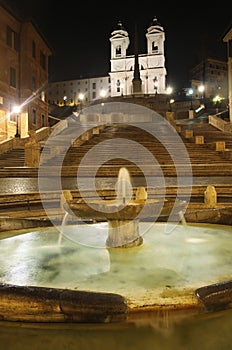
119, 81
151, 65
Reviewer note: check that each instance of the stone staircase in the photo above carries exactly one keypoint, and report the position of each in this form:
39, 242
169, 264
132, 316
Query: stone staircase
67, 152
12, 158
204, 160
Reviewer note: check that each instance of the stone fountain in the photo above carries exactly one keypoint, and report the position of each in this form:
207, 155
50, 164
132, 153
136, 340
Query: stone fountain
124, 213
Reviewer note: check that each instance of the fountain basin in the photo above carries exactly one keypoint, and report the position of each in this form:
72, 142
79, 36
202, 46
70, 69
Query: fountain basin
42, 281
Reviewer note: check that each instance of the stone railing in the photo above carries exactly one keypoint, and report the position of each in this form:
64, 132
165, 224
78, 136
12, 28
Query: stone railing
220, 123
13, 143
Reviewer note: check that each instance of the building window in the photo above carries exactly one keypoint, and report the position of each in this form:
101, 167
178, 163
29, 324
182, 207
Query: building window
12, 39
42, 120
13, 77
94, 94
42, 60
33, 116
118, 51
33, 49
94, 86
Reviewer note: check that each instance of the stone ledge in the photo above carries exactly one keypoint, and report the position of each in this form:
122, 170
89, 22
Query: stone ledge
41, 304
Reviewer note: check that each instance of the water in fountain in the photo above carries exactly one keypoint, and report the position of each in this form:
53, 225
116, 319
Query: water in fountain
123, 186
182, 218
166, 269
63, 224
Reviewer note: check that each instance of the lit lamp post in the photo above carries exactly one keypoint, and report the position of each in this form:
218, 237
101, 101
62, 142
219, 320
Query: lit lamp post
170, 101
201, 89
191, 98
81, 98
16, 110
103, 95
217, 100
191, 111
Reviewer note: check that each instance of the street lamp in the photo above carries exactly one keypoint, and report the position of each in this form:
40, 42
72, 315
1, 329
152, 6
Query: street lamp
65, 100
16, 110
170, 101
103, 93
201, 89
217, 100
81, 98
191, 96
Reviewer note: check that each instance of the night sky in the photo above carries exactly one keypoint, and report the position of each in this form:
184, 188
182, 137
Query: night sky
79, 34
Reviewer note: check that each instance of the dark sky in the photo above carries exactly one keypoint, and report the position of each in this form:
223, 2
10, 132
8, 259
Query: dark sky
79, 33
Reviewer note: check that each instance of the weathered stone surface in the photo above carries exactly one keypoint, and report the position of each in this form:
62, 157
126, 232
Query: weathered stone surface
40, 304
219, 215
216, 296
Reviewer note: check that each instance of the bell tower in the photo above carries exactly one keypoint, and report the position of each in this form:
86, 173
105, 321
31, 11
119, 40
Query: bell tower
156, 60
119, 43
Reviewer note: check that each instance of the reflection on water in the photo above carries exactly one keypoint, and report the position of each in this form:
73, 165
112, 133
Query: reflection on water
164, 332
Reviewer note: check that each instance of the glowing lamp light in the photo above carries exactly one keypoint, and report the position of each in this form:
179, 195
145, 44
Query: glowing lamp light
81, 97
16, 109
103, 93
201, 88
169, 90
